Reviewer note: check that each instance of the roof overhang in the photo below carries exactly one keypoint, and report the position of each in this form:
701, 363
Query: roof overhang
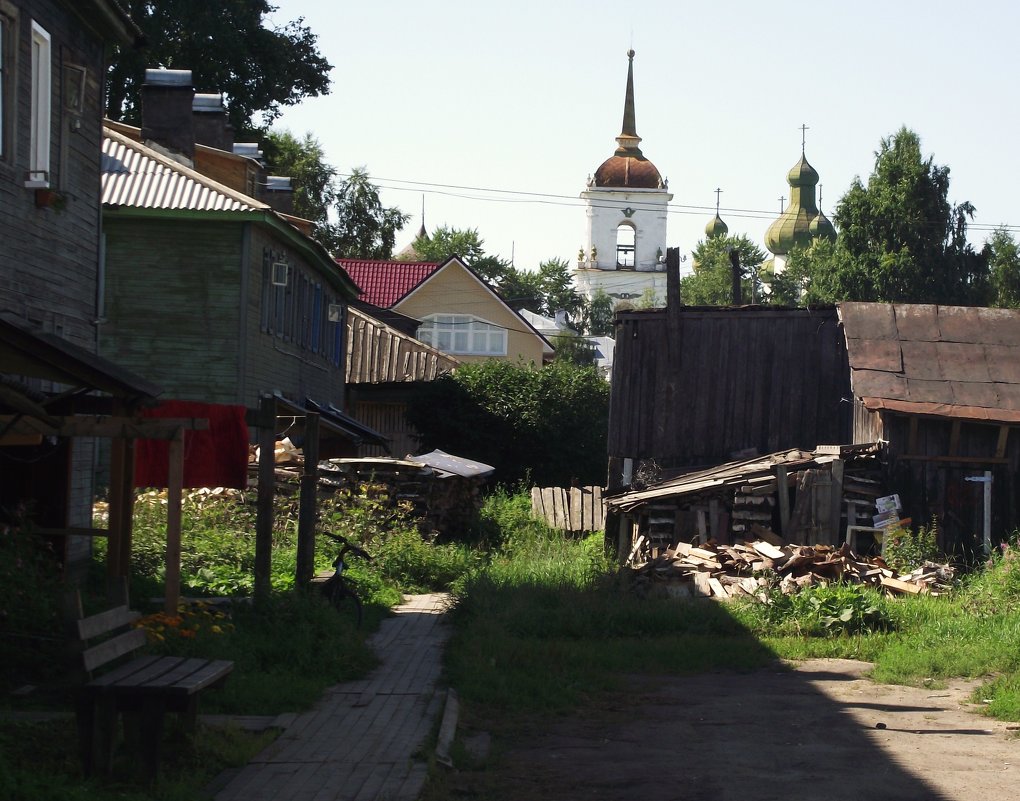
977, 414
35, 354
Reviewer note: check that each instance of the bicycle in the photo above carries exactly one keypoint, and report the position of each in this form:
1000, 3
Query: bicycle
335, 588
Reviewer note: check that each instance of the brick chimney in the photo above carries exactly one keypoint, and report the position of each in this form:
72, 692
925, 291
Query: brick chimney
279, 194
210, 122
167, 119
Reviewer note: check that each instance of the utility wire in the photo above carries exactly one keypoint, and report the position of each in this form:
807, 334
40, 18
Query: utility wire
551, 199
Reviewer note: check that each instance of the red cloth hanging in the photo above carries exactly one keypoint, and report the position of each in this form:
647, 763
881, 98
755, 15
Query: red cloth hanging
215, 457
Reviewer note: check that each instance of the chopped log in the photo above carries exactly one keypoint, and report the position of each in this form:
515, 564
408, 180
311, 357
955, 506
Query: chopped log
901, 586
768, 550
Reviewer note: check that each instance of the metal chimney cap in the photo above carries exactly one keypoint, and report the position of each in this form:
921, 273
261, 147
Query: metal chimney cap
207, 102
278, 183
249, 149
161, 77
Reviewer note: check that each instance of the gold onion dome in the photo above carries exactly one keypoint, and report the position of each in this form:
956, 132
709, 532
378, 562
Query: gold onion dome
716, 227
628, 167
793, 227
821, 228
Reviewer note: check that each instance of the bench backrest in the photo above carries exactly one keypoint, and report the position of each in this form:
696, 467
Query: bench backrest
115, 634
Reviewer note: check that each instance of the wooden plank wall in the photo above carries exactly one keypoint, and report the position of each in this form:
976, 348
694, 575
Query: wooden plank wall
930, 460
572, 509
733, 379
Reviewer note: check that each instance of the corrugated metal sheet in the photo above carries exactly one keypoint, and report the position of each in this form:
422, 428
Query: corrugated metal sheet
945, 361
378, 354
137, 176
383, 283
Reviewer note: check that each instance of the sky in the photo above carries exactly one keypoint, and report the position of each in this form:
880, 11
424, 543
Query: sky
497, 113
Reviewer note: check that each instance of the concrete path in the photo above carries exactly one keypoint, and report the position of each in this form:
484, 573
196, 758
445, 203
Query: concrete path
362, 741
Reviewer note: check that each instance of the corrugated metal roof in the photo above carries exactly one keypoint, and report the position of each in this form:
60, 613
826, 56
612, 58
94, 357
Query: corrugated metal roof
946, 361
378, 354
138, 176
384, 283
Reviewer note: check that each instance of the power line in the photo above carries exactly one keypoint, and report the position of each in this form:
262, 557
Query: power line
551, 199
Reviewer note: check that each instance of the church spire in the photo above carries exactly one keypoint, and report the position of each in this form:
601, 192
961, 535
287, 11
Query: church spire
628, 140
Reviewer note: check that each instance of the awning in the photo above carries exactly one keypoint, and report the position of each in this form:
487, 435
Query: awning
333, 423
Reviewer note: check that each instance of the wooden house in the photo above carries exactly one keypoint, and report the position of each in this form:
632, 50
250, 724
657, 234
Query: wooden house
458, 312
218, 296
52, 65
384, 366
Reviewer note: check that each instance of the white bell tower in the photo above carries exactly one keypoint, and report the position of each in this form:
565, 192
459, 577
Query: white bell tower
624, 251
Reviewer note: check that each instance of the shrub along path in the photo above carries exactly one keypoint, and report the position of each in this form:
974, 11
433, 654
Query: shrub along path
362, 741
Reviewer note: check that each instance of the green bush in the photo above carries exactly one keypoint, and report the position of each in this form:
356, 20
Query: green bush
906, 550
549, 423
995, 590
419, 566
825, 610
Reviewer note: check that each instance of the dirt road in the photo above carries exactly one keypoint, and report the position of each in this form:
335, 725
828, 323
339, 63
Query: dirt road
819, 731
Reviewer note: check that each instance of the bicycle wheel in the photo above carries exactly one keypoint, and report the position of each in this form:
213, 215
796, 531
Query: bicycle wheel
337, 593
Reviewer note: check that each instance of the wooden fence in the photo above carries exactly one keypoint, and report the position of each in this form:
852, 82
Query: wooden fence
573, 509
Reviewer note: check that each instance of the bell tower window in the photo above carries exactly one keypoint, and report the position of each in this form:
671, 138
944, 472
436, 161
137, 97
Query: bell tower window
625, 241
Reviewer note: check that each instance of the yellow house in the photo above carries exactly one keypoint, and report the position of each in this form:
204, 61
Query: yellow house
458, 312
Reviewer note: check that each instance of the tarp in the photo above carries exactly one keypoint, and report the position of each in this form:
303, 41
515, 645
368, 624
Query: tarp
215, 457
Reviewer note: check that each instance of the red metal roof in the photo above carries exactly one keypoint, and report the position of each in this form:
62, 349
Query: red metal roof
385, 283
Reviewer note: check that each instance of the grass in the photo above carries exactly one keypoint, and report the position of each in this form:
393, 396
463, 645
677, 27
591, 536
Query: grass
287, 649
543, 623
547, 629
38, 762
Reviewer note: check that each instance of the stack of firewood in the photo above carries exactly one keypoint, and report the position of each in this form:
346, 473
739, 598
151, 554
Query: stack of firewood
733, 570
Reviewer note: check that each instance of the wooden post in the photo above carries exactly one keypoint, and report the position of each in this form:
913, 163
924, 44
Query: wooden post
115, 512
174, 496
836, 504
266, 431
308, 503
713, 520
783, 490
121, 512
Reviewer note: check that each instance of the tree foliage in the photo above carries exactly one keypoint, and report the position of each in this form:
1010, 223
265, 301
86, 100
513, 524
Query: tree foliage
350, 220
900, 239
312, 178
712, 280
1004, 263
545, 425
363, 228
597, 315
228, 48
446, 241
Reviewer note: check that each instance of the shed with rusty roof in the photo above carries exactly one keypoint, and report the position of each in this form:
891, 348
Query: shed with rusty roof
941, 386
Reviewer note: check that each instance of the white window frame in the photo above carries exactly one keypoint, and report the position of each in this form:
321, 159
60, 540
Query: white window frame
463, 335
626, 252
42, 99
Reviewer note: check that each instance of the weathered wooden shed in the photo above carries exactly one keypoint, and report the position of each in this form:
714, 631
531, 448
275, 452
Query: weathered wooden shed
941, 386
698, 386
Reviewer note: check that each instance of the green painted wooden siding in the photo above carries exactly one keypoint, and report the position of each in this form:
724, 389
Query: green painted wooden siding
287, 360
173, 304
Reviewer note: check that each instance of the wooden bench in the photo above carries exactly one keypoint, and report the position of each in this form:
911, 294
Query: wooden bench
140, 688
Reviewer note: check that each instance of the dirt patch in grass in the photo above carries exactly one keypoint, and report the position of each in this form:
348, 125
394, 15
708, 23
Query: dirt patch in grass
816, 729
